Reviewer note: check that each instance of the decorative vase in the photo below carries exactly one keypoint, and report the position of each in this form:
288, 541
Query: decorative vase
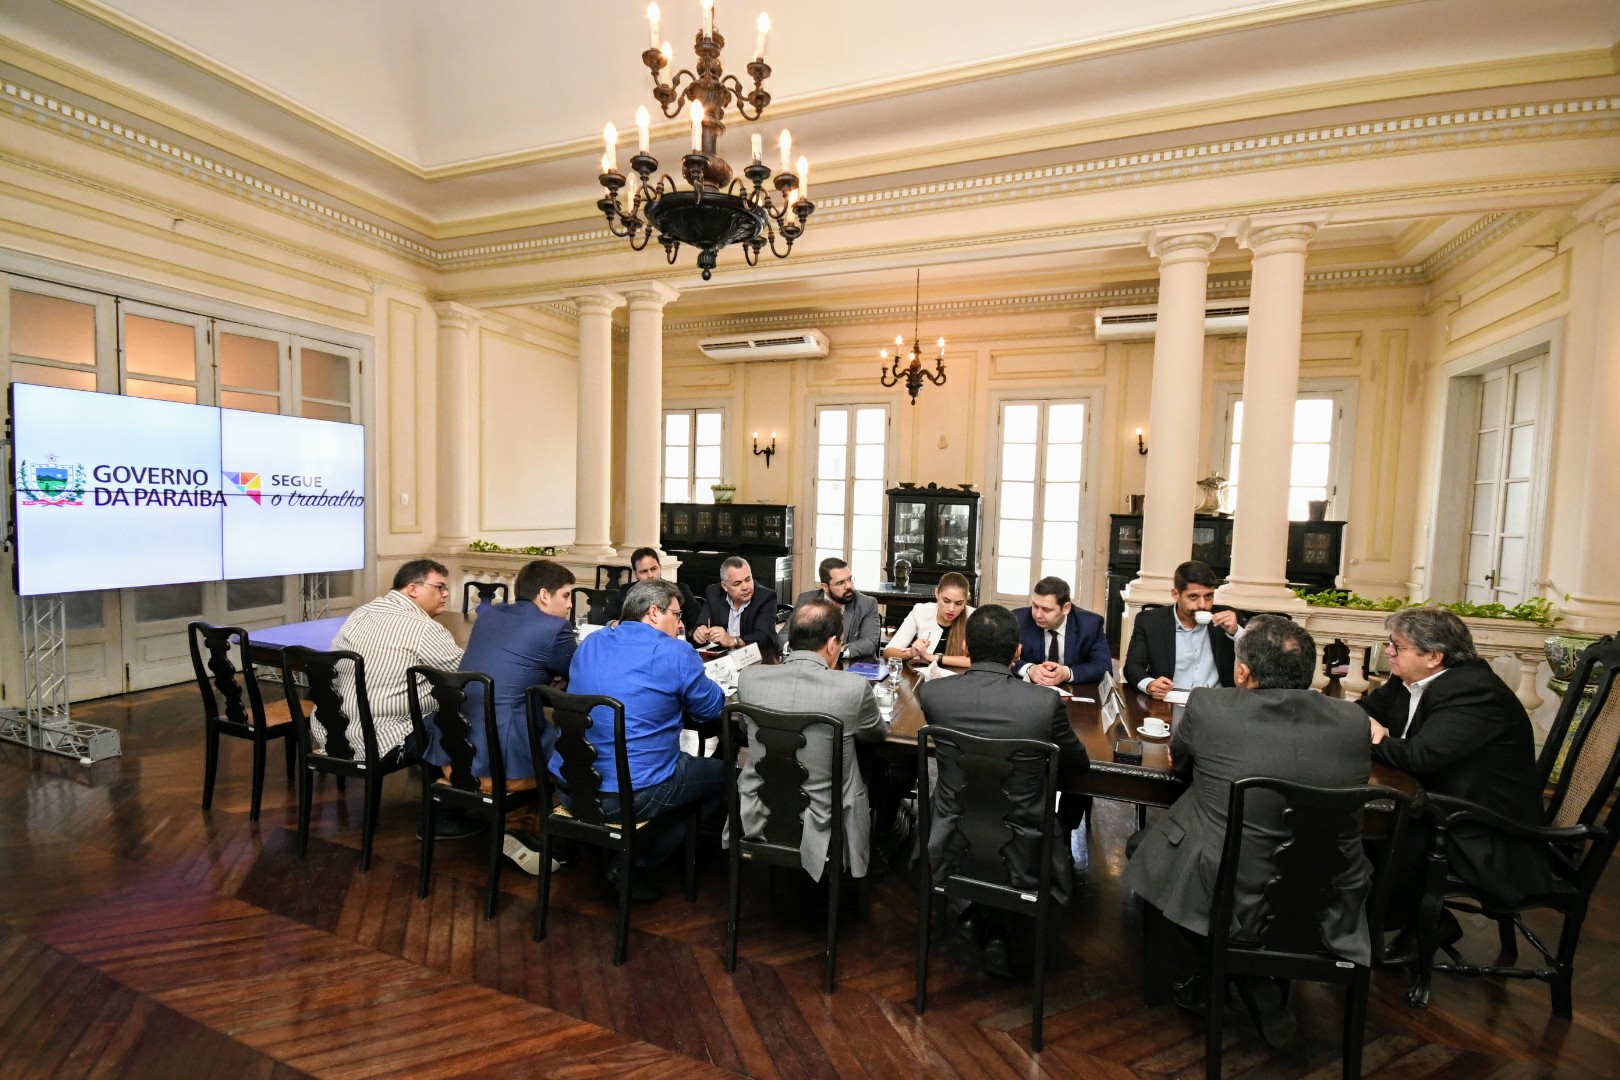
723, 492
1317, 508
1211, 495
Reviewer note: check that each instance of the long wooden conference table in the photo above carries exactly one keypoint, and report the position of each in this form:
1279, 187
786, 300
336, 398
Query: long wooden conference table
1151, 782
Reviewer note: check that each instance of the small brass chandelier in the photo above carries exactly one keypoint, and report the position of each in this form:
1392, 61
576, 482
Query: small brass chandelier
913, 373
719, 208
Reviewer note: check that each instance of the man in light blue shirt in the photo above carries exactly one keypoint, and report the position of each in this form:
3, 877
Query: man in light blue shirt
1186, 645
644, 663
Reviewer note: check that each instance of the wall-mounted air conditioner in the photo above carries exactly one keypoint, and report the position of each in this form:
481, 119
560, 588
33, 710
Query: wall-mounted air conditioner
1140, 323
777, 345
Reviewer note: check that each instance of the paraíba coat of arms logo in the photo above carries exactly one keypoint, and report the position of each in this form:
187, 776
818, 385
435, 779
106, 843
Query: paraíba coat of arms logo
50, 483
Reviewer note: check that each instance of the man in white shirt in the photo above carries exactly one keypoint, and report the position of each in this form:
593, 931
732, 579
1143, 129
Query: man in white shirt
1186, 645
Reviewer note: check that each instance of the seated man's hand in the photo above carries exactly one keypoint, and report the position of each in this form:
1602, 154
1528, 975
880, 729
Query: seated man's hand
703, 633
1226, 620
1159, 687
1379, 731
1048, 673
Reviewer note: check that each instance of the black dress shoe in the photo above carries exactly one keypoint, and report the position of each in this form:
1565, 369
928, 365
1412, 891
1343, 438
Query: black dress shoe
1192, 994
643, 889
1267, 1001
1404, 949
996, 957
453, 825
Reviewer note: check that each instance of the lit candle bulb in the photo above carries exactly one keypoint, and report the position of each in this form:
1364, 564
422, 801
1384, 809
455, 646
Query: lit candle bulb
899, 341
804, 178
642, 120
607, 164
708, 17
610, 160
942, 346
697, 127
759, 43
652, 19
758, 148
785, 141
669, 54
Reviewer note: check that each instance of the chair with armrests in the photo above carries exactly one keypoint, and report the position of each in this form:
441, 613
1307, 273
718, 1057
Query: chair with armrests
1288, 941
611, 577
489, 799
232, 705
781, 735
592, 605
982, 767
1578, 826
583, 818
487, 592
334, 754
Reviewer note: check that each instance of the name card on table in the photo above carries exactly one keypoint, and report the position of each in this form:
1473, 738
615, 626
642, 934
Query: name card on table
1105, 685
1110, 712
724, 669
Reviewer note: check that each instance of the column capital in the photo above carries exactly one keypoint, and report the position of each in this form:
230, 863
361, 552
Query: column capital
1602, 209
645, 294
1608, 219
1181, 246
453, 316
595, 301
1277, 236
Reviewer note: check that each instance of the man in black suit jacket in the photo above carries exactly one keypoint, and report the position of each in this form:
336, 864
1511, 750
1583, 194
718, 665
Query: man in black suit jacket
736, 612
1186, 645
645, 566
1059, 642
988, 700
1447, 719
1273, 724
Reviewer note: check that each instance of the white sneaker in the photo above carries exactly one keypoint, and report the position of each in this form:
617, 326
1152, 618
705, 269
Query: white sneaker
523, 848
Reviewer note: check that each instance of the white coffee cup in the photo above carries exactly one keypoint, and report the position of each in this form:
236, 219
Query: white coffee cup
1203, 618
1154, 728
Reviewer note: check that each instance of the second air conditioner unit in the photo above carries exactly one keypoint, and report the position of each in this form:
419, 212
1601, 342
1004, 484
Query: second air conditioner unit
778, 345
1141, 323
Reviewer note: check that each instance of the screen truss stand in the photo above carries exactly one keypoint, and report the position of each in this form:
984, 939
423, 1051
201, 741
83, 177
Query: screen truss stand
45, 725
316, 591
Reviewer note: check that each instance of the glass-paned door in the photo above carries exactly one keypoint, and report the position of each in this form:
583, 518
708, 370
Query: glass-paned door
1504, 471
852, 443
1040, 490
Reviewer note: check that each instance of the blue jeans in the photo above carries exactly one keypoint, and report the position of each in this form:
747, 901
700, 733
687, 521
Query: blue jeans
695, 780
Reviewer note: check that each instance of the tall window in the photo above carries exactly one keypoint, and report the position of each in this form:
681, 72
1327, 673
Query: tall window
1040, 487
852, 444
1314, 463
692, 454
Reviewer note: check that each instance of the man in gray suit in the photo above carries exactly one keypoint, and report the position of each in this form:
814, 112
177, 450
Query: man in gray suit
861, 623
988, 700
1270, 724
807, 682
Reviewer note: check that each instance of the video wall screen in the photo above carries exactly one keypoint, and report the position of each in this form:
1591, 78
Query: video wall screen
114, 492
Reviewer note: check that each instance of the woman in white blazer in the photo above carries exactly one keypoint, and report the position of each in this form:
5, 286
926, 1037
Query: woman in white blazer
937, 630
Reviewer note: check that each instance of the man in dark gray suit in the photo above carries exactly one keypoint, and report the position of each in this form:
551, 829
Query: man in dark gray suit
1271, 724
861, 623
806, 681
988, 700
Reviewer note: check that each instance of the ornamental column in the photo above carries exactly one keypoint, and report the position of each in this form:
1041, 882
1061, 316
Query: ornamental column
1258, 580
1594, 596
1178, 389
644, 413
593, 461
457, 422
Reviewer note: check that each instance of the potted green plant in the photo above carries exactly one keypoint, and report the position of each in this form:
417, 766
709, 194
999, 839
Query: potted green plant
723, 492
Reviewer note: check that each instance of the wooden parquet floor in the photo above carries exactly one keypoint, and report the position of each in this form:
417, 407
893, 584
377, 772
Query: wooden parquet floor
140, 936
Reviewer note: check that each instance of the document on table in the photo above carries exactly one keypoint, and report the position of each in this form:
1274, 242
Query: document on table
1177, 696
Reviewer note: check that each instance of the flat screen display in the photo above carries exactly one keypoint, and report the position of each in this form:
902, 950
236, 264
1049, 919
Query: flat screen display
116, 492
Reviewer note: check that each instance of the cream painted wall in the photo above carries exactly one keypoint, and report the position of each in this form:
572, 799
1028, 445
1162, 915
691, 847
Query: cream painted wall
526, 438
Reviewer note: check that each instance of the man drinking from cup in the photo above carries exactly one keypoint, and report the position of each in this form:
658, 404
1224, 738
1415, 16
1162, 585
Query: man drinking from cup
1174, 648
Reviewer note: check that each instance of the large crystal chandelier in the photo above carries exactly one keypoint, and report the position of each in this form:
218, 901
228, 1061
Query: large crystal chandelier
718, 208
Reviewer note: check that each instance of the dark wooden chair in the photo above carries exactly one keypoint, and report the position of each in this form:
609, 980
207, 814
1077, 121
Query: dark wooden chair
591, 605
335, 755
487, 592
781, 735
982, 877
232, 705
1578, 826
583, 819
611, 577
488, 798
1288, 943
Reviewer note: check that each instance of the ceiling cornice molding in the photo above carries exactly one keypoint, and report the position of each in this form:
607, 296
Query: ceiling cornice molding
1525, 122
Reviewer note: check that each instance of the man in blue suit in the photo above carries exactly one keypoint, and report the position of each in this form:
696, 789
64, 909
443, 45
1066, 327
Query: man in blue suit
518, 645
1061, 643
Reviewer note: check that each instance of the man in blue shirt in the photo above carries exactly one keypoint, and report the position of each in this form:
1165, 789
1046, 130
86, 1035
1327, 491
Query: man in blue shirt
644, 663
